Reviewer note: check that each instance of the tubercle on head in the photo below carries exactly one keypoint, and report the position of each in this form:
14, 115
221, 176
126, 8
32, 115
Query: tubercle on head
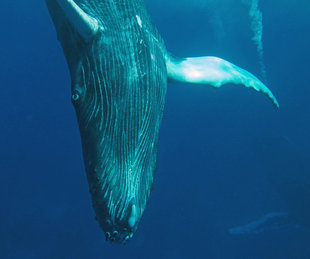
120, 230
117, 233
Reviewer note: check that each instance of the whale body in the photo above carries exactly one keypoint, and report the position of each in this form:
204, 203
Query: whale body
119, 69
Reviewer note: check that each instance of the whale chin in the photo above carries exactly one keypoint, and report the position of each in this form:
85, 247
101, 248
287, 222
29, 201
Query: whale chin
118, 233
117, 237
120, 230
118, 211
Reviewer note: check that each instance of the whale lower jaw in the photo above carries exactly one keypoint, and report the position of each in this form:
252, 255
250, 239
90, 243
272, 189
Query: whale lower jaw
118, 201
123, 230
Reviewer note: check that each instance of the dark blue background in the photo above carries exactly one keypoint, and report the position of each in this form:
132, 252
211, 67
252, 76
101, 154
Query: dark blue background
209, 177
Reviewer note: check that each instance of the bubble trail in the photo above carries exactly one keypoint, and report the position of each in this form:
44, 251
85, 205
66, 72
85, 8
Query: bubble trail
256, 17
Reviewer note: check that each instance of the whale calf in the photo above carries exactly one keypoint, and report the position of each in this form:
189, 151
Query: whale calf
119, 69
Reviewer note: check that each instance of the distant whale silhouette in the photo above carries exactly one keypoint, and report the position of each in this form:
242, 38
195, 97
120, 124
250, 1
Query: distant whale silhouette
119, 69
286, 168
270, 221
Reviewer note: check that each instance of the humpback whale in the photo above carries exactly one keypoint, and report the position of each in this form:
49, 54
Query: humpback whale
119, 69
286, 169
270, 221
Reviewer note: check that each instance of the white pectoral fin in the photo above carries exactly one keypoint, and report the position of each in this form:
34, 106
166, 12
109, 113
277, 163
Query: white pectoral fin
213, 71
83, 23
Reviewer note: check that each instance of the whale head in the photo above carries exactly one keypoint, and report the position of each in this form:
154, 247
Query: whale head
118, 82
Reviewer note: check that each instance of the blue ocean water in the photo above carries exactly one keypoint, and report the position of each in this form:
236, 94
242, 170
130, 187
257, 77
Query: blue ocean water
226, 157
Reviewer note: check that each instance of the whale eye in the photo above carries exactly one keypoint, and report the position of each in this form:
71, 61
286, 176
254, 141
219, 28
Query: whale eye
75, 96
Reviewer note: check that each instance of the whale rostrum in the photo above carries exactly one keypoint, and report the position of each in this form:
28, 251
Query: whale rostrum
119, 69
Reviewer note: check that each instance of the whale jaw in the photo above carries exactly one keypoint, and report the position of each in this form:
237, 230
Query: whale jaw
119, 198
